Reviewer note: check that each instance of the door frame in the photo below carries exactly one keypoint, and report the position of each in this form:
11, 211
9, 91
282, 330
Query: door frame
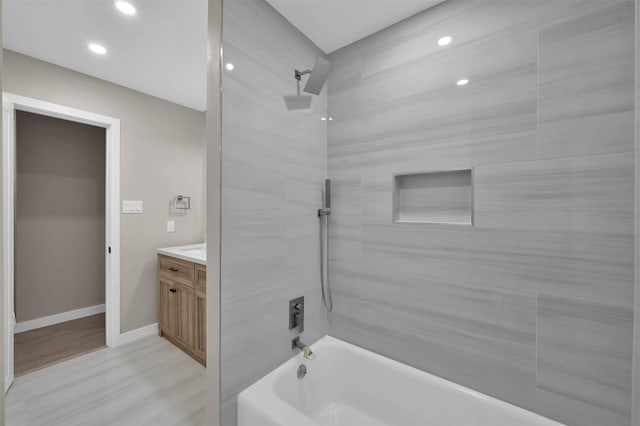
12, 103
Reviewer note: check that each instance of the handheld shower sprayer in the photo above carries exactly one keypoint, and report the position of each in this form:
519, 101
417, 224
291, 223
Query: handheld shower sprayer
327, 193
326, 199
324, 214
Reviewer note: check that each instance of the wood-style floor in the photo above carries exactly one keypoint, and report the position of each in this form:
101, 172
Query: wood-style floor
42, 347
146, 382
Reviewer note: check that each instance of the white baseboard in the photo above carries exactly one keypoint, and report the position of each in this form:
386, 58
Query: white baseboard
139, 333
58, 318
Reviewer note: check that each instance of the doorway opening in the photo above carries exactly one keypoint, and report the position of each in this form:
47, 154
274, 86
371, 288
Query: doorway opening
59, 240
60, 233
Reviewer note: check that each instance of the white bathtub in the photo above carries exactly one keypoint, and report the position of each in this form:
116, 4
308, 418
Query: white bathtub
349, 386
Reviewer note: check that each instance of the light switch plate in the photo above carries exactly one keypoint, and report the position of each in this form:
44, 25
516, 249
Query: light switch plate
132, 207
171, 226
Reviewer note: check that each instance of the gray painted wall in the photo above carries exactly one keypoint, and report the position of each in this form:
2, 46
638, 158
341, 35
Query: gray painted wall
60, 216
533, 305
273, 164
162, 149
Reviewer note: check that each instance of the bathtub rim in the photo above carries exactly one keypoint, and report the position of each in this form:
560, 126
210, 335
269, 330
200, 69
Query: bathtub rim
264, 397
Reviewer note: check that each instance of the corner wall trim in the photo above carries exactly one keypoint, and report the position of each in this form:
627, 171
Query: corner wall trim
139, 333
58, 318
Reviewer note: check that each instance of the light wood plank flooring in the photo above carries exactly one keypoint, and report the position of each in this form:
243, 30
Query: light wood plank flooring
46, 346
146, 382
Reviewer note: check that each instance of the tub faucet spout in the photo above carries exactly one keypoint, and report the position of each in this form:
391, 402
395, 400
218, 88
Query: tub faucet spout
306, 350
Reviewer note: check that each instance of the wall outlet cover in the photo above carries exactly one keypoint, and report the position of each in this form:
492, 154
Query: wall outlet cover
171, 226
132, 207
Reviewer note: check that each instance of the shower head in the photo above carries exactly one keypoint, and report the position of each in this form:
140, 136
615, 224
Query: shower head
298, 101
318, 76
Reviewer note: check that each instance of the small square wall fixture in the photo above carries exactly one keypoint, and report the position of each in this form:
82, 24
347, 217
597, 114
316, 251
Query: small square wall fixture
440, 197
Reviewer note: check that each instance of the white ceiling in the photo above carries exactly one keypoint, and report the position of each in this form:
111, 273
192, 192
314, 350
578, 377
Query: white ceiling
160, 51
332, 24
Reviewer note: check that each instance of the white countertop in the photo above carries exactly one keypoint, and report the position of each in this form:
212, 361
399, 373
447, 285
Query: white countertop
196, 253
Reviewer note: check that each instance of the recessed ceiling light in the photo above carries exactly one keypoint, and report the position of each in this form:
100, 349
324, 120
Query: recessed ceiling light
229, 66
462, 82
323, 118
126, 7
443, 41
330, 118
96, 48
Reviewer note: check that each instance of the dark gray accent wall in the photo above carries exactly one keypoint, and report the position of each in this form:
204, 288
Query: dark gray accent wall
273, 167
534, 304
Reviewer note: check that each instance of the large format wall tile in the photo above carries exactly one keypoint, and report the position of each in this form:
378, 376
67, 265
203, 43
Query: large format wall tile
547, 123
470, 23
482, 338
584, 361
564, 263
586, 194
547, 80
586, 83
273, 165
345, 230
418, 111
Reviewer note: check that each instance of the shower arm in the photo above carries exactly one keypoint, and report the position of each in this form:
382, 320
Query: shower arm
298, 74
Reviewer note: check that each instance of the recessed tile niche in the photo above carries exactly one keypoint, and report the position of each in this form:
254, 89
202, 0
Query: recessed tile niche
442, 197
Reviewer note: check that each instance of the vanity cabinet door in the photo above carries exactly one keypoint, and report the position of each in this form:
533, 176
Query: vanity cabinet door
201, 330
168, 309
185, 330
201, 280
201, 314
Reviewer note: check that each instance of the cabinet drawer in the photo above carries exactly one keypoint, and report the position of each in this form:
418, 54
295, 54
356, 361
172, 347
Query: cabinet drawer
176, 270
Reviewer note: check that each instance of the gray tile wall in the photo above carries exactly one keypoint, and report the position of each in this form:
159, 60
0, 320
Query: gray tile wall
273, 165
534, 304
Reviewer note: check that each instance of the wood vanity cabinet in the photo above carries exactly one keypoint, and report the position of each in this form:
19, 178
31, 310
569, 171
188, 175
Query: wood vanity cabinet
182, 305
